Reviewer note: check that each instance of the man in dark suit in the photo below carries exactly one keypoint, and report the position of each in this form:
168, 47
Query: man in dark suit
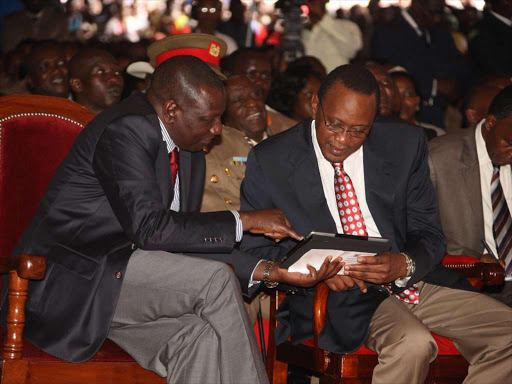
118, 213
416, 41
490, 45
461, 169
340, 174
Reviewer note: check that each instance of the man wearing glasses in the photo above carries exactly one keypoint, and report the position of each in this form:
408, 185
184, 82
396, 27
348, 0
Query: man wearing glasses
345, 173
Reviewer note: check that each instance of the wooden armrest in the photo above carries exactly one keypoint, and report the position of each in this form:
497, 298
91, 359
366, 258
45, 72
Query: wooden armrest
31, 267
28, 267
319, 314
480, 274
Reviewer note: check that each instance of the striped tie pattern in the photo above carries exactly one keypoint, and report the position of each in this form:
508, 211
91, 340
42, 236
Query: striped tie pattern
502, 221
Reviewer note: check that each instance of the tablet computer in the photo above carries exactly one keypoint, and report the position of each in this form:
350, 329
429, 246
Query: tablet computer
320, 243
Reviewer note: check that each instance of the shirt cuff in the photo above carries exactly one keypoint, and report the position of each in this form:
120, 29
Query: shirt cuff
402, 282
239, 227
251, 281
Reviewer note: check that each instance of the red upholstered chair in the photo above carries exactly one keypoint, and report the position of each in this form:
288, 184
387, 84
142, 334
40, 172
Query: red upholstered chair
357, 367
36, 133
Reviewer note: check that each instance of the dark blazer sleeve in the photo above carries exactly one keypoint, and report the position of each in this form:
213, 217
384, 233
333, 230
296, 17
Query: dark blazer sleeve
124, 163
425, 239
255, 194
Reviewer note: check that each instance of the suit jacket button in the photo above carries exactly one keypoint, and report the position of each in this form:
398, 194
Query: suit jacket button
119, 275
214, 178
228, 201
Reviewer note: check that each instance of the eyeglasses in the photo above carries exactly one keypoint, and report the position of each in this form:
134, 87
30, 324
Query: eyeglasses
337, 128
206, 10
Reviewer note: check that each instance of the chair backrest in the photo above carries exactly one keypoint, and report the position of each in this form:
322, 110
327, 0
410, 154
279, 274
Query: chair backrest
36, 133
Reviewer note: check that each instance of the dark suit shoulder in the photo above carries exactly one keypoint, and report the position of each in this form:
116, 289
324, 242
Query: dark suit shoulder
281, 145
395, 134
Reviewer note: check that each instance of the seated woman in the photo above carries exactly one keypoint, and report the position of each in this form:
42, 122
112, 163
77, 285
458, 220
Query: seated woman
410, 101
291, 92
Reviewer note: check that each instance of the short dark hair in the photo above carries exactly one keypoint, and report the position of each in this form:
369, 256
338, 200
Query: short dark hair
286, 87
501, 106
31, 61
407, 76
180, 78
354, 77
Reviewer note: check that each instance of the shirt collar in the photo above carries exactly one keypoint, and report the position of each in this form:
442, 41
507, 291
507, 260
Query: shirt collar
168, 141
503, 19
481, 149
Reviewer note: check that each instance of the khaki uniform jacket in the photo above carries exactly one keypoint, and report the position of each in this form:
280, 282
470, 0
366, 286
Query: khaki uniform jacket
225, 169
277, 122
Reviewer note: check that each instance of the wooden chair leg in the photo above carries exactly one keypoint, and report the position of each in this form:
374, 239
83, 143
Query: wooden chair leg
13, 344
277, 371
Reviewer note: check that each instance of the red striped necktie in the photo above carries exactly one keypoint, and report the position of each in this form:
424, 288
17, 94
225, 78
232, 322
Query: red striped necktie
502, 221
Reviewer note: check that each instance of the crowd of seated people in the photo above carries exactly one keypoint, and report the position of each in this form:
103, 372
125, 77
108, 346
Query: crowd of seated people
416, 131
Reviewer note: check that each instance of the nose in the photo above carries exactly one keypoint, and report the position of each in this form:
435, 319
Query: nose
114, 77
342, 137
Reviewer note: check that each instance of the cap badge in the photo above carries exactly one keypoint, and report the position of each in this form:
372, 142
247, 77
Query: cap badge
214, 49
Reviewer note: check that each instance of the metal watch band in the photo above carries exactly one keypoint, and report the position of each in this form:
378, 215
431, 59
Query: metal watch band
411, 265
266, 275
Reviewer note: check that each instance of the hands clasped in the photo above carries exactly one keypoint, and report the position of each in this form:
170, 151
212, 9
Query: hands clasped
383, 268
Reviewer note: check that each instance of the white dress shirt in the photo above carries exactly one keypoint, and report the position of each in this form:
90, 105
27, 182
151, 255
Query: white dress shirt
354, 167
175, 205
486, 171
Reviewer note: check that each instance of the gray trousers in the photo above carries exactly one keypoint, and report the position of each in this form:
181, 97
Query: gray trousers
480, 327
184, 318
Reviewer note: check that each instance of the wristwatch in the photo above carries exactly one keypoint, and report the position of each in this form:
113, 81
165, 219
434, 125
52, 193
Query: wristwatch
411, 265
266, 275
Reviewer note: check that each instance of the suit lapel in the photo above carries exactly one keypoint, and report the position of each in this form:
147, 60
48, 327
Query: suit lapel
185, 172
162, 168
378, 180
470, 170
306, 181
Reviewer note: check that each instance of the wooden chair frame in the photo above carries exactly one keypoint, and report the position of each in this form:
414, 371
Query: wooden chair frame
352, 368
15, 369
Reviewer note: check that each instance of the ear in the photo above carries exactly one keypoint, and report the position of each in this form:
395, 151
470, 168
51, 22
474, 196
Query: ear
76, 85
470, 116
169, 111
314, 104
489, 123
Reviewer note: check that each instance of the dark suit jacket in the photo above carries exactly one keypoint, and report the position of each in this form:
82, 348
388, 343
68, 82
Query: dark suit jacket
399, 44
491, 47
455, 173
110, 195
282, 172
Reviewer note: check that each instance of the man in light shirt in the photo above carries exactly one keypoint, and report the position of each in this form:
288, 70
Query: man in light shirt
345, 173
334, 42
462, 167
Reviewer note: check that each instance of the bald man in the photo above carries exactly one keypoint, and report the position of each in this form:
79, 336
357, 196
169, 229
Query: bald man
116, 222
95, 79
